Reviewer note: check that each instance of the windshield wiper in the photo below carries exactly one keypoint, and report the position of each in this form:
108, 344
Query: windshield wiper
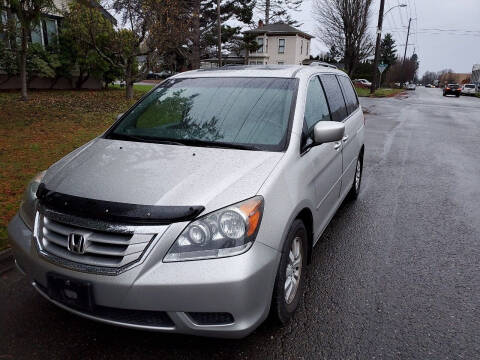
205, 143
146, 139
185, 142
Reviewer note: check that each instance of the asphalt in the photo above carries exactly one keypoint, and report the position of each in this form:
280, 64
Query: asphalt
396, 275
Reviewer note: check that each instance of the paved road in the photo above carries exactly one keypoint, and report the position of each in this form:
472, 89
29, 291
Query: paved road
396, 275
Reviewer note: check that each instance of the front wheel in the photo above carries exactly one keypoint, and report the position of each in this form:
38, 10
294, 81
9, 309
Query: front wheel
357, 179
290, 279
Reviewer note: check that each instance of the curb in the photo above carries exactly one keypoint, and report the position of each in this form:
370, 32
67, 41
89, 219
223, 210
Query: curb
6, 260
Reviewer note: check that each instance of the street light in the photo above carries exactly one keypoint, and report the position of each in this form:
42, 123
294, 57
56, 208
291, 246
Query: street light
381, 14
400, 5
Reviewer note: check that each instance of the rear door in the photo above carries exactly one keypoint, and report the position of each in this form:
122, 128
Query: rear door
353, 124
325, 159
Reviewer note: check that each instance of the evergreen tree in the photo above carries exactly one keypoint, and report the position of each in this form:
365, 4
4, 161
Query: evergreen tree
204, 31
278, 10
388, 51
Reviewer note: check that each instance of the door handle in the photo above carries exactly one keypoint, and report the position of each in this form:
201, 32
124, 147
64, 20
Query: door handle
337, 145
345, 138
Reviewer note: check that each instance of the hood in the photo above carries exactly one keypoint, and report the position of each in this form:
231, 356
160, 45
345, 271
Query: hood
158, 174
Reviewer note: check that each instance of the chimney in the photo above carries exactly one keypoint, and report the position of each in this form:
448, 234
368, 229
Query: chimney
260, 23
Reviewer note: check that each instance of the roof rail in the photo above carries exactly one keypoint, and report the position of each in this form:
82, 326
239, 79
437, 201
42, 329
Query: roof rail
321, 63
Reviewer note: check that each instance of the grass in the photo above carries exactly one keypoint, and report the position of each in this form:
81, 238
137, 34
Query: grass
136, 87
379, 93
41, 131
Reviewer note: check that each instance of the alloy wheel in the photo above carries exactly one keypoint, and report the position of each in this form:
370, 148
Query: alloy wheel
294, 270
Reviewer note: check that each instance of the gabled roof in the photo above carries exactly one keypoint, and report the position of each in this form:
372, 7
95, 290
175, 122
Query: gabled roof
279, 29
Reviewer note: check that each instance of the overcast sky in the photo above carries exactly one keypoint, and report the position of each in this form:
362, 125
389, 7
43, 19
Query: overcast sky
445, 34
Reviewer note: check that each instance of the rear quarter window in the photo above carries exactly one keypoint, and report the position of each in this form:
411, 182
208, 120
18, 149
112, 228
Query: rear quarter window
349, 94
335, 98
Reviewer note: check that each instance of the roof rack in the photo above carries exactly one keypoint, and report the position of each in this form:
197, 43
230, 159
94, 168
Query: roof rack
321, 63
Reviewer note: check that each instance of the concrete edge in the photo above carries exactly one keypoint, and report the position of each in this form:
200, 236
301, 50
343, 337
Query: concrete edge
6, 260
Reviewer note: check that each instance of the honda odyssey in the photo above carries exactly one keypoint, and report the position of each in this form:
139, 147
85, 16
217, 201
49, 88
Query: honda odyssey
198, 210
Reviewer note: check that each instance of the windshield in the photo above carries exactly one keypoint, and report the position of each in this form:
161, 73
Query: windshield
250, 113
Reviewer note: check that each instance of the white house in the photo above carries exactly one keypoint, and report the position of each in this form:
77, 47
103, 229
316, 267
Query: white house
279, 44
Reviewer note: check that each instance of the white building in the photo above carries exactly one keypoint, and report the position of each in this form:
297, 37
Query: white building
279, 44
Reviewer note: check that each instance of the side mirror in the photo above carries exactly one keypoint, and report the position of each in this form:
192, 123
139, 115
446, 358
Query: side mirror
120, 115
328, 131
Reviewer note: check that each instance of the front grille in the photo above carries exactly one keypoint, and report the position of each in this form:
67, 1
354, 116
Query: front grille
109, 249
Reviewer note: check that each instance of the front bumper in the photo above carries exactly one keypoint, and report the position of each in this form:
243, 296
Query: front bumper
240, 285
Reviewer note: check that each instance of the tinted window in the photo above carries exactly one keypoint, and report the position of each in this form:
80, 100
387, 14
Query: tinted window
334, 97
249, 111
349, 94
316, 107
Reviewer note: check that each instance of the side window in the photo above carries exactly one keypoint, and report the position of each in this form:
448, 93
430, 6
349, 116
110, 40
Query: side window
349, 93
281, 46
334, 96
316, 107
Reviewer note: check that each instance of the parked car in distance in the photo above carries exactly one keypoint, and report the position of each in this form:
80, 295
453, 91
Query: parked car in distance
159, 75
468, 89
410, 86
429, 86
362, 83
451, 89
176, 219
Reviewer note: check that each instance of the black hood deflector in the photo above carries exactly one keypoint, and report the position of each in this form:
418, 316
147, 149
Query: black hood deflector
115, 211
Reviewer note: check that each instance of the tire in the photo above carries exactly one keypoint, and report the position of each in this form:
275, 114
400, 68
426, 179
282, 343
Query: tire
285, 303
357, 182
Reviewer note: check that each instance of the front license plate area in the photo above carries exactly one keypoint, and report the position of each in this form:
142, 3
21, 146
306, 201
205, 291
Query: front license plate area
72, 293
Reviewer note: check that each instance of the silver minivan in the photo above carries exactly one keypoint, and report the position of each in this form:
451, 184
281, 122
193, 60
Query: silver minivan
198, 210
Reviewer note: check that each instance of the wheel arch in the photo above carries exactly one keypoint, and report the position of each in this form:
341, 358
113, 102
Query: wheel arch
307, 218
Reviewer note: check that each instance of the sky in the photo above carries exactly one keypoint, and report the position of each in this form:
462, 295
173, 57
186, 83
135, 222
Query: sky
444, 33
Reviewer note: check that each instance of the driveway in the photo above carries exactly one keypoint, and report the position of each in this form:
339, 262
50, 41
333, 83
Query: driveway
395, 276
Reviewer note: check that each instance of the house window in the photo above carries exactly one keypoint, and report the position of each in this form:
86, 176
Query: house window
49, 29
301, 47
253, 62
266, 45
281, 46
308, 43
280, 63
3, 22
36, 34
260, 45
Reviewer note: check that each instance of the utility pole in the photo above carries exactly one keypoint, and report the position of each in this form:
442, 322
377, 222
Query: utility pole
377, 46
406, 46
219, 34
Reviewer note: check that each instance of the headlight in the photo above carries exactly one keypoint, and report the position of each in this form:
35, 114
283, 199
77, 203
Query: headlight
225, 232
28, 204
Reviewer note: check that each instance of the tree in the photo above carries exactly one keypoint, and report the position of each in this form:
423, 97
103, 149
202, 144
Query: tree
401, 72
169, 30
414, 59
28, 13
388, 51
278, 10
84, 31
429, 77
204, 32
343, 24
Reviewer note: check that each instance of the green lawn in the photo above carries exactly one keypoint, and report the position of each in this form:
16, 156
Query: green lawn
41, 131
382, 92
136, 87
